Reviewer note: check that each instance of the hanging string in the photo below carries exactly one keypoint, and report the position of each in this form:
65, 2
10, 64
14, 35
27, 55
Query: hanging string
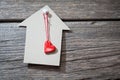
48, 46
46, 25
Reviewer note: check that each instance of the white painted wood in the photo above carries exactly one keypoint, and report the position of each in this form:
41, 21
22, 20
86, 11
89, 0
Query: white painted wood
35, 38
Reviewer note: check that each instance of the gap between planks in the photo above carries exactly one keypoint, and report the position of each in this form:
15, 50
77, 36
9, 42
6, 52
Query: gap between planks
65, 20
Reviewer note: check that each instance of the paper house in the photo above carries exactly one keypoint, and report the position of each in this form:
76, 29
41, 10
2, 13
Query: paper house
35, 38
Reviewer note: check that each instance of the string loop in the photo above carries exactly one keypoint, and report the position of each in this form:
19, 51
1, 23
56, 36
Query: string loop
46, 26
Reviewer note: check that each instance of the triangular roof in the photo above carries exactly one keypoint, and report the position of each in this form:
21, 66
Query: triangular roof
37, 15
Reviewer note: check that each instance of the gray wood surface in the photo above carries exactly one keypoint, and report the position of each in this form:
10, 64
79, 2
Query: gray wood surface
66, 9
90, 51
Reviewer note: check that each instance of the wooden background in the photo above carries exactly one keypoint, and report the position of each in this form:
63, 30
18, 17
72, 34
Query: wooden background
90, 51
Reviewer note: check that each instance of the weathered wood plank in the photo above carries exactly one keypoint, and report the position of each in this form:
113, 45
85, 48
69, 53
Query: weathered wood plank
90, 51
66, 9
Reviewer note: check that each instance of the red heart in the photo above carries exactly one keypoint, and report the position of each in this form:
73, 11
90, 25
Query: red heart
49, 47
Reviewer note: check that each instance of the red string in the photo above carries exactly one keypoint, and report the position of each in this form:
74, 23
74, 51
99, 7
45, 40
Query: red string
46, 25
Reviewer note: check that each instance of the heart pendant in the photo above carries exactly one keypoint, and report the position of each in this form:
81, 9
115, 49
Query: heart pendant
49, 47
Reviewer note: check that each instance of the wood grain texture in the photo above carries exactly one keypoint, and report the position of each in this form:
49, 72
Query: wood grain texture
90, 51
66, 9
